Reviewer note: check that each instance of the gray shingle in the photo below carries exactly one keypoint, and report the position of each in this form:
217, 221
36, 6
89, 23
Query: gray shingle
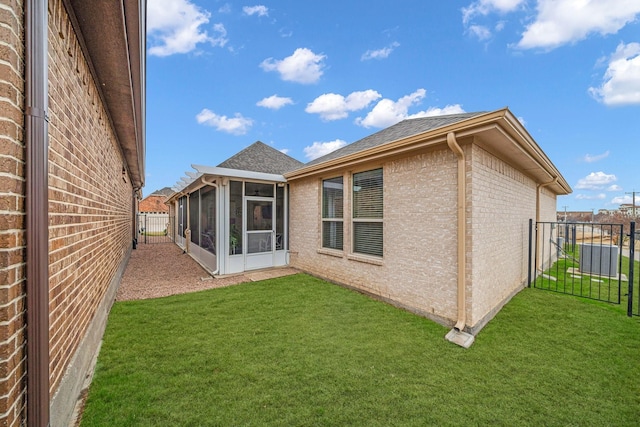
259, 157
403, 129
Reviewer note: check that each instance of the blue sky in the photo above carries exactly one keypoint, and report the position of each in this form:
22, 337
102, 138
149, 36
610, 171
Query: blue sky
307, 77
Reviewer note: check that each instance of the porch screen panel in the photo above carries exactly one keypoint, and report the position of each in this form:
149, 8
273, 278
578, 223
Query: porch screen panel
235, 218
332, 213
194, 213
280, 210
367, 213
208, 218
182, 208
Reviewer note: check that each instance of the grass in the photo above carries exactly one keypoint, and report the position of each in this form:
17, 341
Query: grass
558, 278
299, 351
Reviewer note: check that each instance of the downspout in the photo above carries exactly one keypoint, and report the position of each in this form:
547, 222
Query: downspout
462, 231
37, 210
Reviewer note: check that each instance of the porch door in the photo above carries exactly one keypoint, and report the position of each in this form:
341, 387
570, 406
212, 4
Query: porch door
260, 233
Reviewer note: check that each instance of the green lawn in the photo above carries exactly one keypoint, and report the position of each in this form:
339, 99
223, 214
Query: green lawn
564, 276
299, 351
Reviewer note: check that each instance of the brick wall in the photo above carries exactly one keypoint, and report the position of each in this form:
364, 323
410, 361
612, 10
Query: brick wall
12, 234
418, 269
90, 200
501, 202
90, 203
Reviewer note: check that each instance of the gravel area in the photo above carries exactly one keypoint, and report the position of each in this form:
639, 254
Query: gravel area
159, 270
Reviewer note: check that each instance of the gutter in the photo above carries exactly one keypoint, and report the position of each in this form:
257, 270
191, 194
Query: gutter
36, 206
457, 334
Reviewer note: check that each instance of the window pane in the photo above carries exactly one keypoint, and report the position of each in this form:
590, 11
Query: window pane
194, 213
279, 218
258, 189
367, 194
208, 219
332, 198
235, 217
332, 234
367, 238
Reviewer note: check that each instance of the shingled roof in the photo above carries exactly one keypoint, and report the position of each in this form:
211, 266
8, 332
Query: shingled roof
259, 157
403, 129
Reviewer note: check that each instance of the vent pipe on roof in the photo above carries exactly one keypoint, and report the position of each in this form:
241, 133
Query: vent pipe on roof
457, 334
36, 206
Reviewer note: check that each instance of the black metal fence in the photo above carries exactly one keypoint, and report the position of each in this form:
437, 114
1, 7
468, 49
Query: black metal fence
582, 259
633, 293
155, 228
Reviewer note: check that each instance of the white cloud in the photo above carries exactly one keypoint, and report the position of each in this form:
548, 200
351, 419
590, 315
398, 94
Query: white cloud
332, 106
480, 31
319, 149
621, 82
259, 10
303, 66
284, 151
590, 159
595, 181
225, 8
236, 125
274, 102
175, 27
484, 7
622, 200
387, 112
599, 196
379, 53
614, 187
435, 111
568, 21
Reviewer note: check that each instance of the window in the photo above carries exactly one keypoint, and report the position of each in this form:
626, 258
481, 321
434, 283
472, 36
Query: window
332, 213
194, 212
208, 219
367, 213
235, 218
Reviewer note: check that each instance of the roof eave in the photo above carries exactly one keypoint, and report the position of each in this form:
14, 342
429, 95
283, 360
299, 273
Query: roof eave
502, 119
112, 35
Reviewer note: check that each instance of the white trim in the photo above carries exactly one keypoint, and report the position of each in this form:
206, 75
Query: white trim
236, 173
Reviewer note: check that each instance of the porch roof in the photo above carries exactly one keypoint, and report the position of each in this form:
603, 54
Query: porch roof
258, 162
204, 175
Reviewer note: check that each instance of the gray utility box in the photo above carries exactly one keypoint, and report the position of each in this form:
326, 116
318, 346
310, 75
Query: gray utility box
599, 259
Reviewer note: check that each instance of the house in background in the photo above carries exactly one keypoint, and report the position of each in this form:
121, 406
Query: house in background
431, 214
72, 147
234, 217
153, 213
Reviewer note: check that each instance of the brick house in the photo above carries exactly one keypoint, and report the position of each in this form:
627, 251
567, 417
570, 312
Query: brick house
71, 166
153, 214
430, 214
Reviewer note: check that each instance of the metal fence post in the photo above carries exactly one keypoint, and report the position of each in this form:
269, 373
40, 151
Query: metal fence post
632, 257
530, 252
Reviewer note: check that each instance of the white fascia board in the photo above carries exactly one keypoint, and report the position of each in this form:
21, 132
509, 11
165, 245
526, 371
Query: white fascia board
236, 173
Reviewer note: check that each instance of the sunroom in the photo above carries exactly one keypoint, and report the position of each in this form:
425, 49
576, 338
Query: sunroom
232, 219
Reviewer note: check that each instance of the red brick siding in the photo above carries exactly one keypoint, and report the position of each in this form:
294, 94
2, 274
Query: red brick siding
12, 233
90, 201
